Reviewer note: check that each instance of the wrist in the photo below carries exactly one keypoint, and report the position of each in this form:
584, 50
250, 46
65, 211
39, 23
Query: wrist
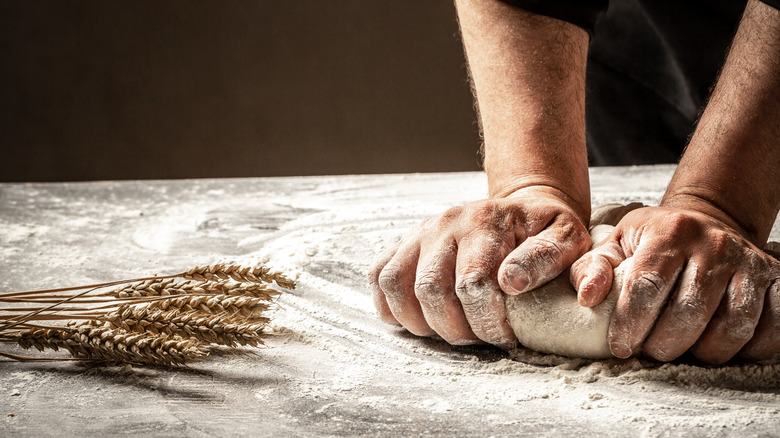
694, 200
543, 188
562, 174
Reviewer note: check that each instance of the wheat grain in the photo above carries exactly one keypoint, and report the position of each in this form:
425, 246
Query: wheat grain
247, 307
169, 287
219, 329
102, 342
239, 273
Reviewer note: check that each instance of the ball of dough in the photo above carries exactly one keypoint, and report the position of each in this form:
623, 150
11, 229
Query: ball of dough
551, 320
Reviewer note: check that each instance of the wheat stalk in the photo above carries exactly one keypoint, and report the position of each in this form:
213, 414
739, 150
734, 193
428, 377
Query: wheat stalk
153, 320
215, 272
149, 288
89, 341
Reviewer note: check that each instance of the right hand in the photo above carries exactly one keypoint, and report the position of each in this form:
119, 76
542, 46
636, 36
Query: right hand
447, 275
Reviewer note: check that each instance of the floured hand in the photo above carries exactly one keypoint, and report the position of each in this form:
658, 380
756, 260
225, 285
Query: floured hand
446, 276
692, 283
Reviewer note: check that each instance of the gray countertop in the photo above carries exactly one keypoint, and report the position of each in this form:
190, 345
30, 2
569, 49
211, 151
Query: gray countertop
329, 367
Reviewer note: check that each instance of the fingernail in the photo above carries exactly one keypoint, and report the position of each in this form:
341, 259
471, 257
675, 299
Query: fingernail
466, 342
620, 350
585, 291
584, 281
507, 345
584, 299
517, 278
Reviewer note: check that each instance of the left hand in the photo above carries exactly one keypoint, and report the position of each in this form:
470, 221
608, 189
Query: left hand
693, 283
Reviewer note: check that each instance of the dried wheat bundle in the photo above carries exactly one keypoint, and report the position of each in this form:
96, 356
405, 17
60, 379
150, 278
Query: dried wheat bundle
160, 320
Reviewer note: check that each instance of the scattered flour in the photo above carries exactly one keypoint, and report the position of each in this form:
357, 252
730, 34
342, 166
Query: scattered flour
330, 320
330, 366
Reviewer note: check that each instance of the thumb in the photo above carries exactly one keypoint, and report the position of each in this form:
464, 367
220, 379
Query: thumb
544, 256
592, 276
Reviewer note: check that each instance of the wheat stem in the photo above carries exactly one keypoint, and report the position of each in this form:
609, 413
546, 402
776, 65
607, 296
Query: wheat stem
88, 299
71, 288
32, 314
218, 271
18, 358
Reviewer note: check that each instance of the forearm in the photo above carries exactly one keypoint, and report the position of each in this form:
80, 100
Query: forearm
731, 168
528, 73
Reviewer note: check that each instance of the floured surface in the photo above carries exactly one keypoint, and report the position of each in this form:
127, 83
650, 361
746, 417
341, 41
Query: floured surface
331, 367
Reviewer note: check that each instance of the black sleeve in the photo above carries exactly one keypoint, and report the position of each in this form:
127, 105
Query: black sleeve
773, 3
583, 13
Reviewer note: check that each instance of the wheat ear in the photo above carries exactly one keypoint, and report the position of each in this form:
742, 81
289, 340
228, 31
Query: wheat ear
91, 341
221, 329
260, 274
168, 287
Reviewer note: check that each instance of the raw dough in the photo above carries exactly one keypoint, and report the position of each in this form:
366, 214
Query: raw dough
550, 319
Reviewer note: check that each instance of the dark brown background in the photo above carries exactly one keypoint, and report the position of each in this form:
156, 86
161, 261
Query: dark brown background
176, 89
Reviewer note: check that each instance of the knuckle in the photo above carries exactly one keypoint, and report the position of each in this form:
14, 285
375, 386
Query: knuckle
746, 306
680, 224
453, 212
722, 245
738, 330
573, 229
373, 275
389, 280
581, 265
475, 310
549, 251
483, 211
740, 334
691, 314
447, 218
774, 271
428, 291
543, 253
648, 283
493, 215
473, 289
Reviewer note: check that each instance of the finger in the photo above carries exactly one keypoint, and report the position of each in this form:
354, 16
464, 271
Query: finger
591, 275
766, 338
476, 286
544, 256
435, 290
734, 321
396, 280
380, 302
688, 312
648, 281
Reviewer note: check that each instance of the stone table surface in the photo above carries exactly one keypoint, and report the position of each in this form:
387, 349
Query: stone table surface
329, 367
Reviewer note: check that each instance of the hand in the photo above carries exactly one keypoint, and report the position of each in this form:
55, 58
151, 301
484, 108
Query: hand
446, 276
693, 282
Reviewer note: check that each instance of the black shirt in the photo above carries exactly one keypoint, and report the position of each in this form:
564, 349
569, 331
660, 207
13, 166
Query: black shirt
651, 65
